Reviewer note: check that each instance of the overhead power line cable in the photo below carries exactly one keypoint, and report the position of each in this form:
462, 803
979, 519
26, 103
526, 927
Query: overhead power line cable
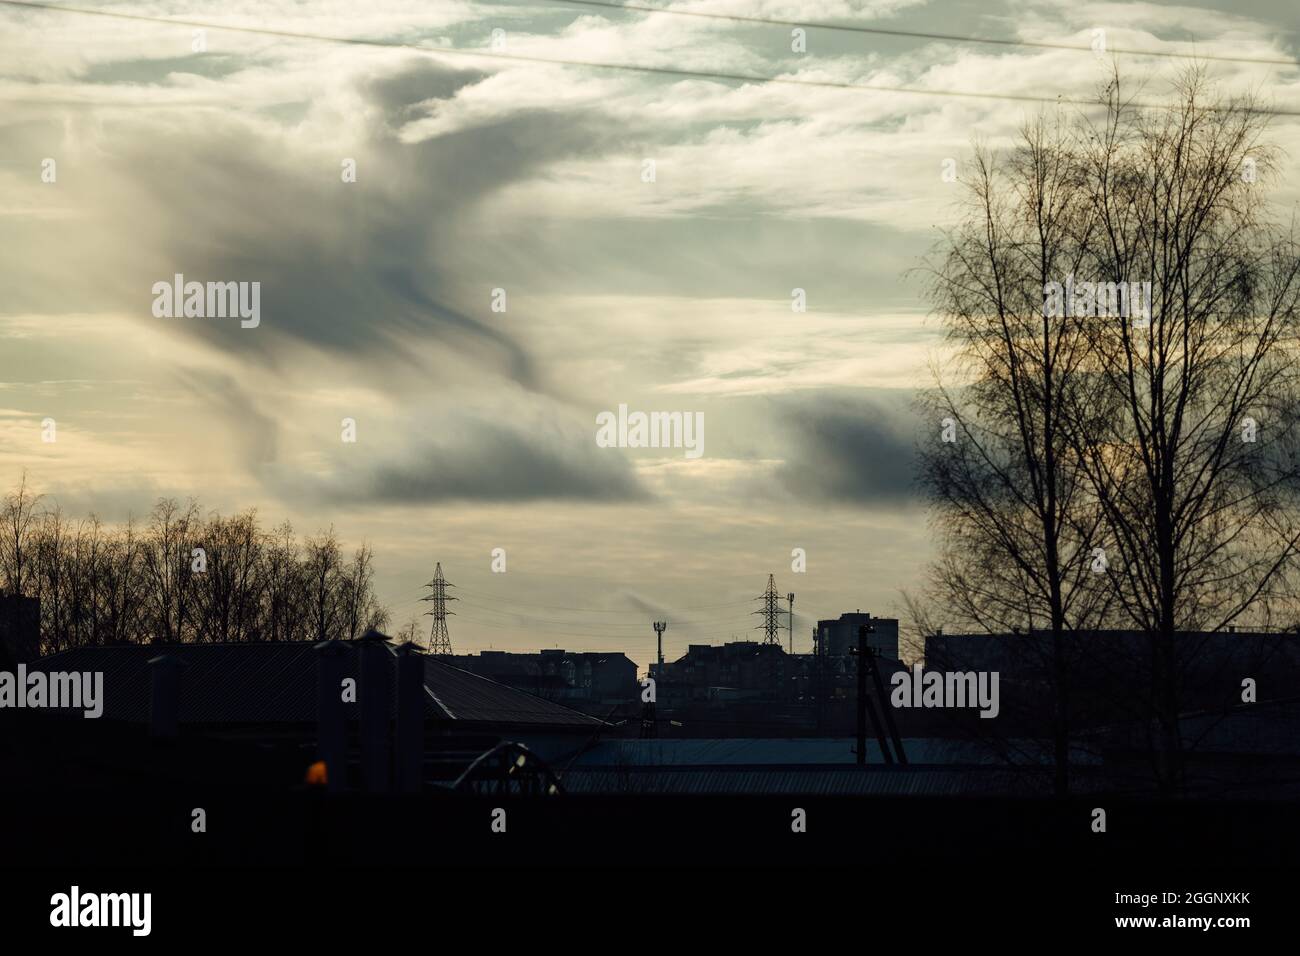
600, 65
592, 610
529, 617
922, 35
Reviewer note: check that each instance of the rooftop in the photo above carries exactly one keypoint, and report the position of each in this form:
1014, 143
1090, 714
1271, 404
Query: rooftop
233, 684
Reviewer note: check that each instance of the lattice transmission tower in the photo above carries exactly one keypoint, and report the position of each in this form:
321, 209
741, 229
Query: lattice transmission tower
439, 639
771, 611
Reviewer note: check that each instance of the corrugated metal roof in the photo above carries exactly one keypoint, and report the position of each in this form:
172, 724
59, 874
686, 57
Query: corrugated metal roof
466, 696
797, 751
276, 683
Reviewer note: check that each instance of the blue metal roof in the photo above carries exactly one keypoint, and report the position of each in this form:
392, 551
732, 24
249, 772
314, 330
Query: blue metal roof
804, 751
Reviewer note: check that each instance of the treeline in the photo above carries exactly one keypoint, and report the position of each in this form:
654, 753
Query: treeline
181, 576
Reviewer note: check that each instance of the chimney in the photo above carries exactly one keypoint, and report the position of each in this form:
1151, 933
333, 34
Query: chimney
410, 718
331, 722
376, 698
20, 630
165, 696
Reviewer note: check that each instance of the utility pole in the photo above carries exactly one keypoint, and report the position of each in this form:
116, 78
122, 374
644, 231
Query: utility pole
650, 712
790, 597
866, 663
872, 654
862, 695
821, 683
439, 639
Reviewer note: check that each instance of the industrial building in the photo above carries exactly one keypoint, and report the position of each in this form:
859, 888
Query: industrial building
1110, 671
835, 638
580, 679
758, 689
381, 716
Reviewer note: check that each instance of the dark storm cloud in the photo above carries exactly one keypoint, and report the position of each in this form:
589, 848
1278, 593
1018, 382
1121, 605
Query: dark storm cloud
399, 95
489, 461
849, 447
356, 269
346, 267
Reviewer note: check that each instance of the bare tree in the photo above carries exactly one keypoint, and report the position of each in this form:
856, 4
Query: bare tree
1144, 427
16, 524
359, 612
284, 587
1010, 506
51, 586
229, 590
322, 572
86, 583
118, 576
410, 631
1187, 437
168, 563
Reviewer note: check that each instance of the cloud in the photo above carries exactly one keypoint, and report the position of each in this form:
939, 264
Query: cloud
480, 460
255, 432
849, 448
477, 172
358, 269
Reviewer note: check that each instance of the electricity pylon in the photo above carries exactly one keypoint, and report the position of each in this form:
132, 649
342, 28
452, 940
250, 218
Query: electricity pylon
771, 611
439, 639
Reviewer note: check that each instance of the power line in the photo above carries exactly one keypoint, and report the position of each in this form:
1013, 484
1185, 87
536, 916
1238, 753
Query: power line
591, 610
715, 622
625, 612
597, 624
581, 632
575, 631
584, 610
595, 64
692, 576
921, 35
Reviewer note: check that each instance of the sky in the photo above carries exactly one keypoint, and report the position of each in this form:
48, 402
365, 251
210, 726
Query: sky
644, 231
